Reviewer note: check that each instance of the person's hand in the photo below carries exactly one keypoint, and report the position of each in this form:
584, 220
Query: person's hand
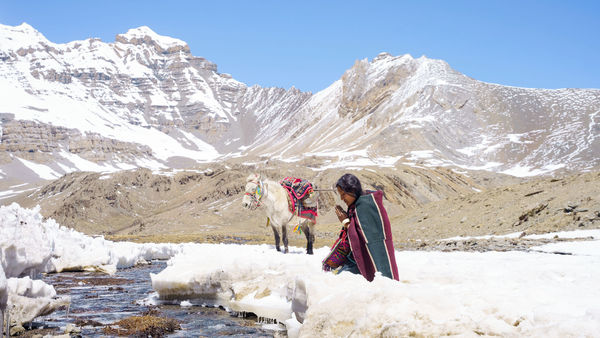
341, 214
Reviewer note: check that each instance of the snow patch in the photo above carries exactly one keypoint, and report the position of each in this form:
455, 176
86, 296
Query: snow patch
582, 234
526, 171
589, 248
43, 171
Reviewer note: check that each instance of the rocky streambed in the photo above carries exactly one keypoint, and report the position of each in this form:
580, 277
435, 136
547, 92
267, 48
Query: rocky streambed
123, 305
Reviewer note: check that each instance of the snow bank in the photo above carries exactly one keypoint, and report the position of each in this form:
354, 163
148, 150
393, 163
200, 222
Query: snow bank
30, 287
74, 251
29, 299
588, 248
457, 293
241, 277
29, 246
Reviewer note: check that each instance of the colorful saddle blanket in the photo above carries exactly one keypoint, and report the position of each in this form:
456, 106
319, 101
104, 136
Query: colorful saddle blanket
300, 197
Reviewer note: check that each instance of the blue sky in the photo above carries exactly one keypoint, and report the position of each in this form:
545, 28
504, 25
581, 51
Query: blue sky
309, 44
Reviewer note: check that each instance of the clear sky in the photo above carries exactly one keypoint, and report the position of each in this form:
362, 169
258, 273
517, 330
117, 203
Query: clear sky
309, 44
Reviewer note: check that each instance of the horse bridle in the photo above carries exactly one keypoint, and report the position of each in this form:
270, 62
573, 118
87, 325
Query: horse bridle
257, 195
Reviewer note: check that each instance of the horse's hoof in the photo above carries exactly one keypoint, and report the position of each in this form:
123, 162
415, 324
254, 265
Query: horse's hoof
278, 249
286, 250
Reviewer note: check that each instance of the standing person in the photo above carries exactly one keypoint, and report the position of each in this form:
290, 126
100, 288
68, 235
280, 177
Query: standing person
367, 231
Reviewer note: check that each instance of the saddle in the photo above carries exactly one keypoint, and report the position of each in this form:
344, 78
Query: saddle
302, 199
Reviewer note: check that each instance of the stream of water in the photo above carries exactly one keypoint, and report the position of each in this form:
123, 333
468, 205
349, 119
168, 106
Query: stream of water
98, 300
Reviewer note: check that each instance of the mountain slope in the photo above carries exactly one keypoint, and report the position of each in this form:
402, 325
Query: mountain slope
145, 101
421, 111
144, 92
208, 198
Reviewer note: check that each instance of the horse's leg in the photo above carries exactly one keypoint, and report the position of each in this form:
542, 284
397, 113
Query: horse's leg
310, 237
285, 239
6, 321
276, 234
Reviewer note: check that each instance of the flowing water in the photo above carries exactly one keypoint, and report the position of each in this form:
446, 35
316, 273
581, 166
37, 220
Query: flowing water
98, 300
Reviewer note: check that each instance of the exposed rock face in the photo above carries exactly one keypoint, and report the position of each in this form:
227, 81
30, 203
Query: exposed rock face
42, 142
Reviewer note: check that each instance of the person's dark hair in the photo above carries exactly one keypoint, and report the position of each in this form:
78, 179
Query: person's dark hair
350, 184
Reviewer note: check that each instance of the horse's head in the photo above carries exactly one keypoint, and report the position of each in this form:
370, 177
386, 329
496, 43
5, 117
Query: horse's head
253, 192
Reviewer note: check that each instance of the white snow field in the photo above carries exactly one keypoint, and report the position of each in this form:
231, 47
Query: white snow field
534, 293
439, 294
29, 246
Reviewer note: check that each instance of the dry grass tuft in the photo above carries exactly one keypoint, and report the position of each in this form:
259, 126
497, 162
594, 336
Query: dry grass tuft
143, 326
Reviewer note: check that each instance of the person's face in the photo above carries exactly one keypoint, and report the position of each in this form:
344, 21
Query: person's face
346, 197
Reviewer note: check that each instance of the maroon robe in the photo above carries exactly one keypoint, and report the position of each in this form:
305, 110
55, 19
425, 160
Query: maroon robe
370, 236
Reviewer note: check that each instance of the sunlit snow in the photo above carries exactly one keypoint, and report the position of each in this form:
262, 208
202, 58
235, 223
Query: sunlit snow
493, 293
458, 293
524, 171
143, 31
43, 171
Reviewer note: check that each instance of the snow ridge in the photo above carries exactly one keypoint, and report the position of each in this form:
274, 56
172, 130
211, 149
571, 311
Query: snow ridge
145, 31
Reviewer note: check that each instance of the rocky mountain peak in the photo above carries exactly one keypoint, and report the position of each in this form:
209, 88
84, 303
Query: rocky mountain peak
382, 56
22, 36
145, 35
379, 70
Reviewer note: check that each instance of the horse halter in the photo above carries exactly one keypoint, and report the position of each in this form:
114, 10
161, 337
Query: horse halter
257, 194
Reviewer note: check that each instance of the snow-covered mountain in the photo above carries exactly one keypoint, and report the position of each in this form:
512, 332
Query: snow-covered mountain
421, 111
144, 100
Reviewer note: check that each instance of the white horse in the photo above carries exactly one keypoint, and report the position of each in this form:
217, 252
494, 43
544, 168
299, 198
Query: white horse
273, 198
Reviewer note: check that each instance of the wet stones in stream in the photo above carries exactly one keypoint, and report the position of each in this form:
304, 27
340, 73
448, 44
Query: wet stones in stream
117, 305
63, 284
